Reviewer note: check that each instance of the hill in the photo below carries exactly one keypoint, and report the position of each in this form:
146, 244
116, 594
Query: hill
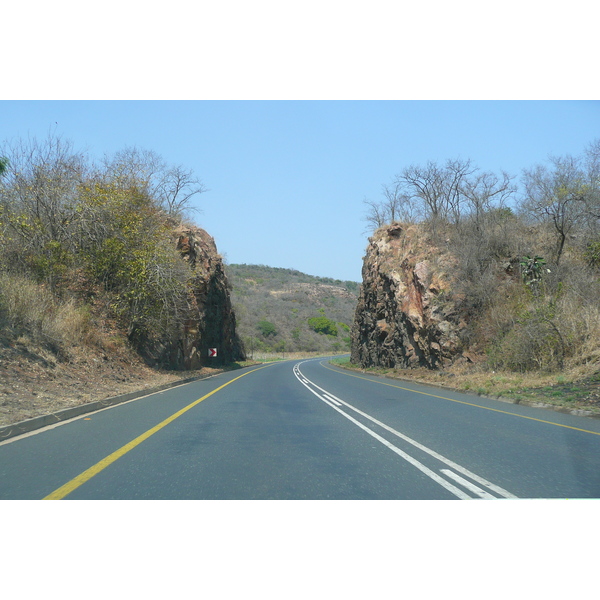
284, 310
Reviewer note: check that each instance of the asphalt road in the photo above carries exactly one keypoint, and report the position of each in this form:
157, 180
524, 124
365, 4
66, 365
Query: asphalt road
306, 430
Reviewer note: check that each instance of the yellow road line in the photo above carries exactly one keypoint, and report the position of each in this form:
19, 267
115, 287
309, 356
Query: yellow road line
343, 372
78, 481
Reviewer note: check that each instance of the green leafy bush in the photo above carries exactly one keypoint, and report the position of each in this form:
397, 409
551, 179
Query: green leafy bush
266, 328
592, 254
323, 325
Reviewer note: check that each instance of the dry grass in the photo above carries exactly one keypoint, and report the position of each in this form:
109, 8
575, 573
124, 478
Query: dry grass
576, 388
30, 306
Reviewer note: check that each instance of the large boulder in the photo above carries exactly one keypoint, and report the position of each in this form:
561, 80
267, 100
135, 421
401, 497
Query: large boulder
406, 315
210, 322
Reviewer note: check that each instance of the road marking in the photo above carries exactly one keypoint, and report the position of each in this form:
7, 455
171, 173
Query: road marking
505, 412
500, 491
78, 481
413, 461
434, 454
467, 484
16, 438
332, 399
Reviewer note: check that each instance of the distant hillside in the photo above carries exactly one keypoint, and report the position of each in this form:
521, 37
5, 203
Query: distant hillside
286, 310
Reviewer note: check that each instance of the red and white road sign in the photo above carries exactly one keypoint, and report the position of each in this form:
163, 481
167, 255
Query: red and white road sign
212, 352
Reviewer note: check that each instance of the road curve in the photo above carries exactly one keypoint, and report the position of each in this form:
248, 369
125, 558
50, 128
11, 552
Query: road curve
306, 430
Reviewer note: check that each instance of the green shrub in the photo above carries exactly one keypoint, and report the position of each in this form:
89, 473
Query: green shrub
592, 254
323, 325
266, 328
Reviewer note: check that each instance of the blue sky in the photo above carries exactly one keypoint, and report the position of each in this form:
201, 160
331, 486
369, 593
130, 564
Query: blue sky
292, 114
287, 179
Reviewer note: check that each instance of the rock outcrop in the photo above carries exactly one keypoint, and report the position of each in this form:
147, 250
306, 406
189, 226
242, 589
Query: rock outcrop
406, 316
204, 317
210, 322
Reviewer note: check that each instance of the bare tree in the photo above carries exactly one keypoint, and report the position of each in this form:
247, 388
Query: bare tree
425, 186
395, 206
557, 195
134, 167
484, 192
437, 191
375, 216
440, 194
457, 173
171, 187
175, 188
592, 186
39, 191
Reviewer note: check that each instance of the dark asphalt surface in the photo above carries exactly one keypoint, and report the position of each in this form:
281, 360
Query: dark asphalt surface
274, 434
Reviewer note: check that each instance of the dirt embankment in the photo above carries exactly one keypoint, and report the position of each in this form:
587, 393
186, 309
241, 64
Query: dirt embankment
41, 374
34, 382
574, 394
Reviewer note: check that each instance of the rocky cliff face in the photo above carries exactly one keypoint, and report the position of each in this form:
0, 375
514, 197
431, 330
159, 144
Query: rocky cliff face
210, 322
406, 316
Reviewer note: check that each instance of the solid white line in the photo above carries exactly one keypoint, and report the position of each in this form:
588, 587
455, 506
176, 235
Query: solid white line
16, 438
413, 461
441, 458
332, 399
447, 461
450, 463
467, 484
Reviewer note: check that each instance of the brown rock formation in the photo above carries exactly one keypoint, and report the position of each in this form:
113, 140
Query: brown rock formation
405, 315
210, 322
204, 317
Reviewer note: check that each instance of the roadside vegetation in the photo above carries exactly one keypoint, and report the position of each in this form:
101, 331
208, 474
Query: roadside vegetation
570, 391
91, 279
526, 273
85, 246
90, 276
